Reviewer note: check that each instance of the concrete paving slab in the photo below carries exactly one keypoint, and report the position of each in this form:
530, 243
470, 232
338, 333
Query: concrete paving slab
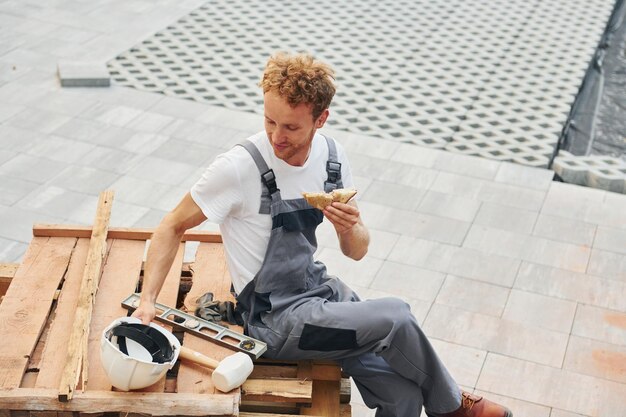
16, 139
139, 191
599, 359
610, 239
540, 311
414, 282
31, 168
523, 176
423, 253
11, 250
151, 219
448, 205
551, 386
413, 224
467, 165
53, 200
42, 121
381, 242
161, 170
567, 285
393, 195
117, 115
519, 340
17, 223
600, 324
80, 129
474, 296
610, 265
507, 218
463, 363
483, 266
523, 408
360, 273
5, 155
64, 103
191, 153
564, 230
13, 189
60, 149
84, 179
150, 122
379, 169
109, 159
529, 248
8, 111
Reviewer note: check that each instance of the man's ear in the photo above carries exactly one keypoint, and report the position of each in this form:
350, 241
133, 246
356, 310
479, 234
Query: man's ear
322, 119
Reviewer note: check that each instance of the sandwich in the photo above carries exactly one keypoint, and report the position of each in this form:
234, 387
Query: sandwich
321, 200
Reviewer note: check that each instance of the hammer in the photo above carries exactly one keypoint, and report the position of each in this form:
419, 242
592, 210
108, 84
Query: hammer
228, 374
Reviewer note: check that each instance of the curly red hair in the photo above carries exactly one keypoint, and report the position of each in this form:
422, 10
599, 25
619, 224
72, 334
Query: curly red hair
300, 78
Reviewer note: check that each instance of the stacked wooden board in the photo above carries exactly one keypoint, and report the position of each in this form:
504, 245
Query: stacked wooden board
41, 312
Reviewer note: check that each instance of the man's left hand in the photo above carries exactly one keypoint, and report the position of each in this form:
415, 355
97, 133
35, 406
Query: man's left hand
343, 216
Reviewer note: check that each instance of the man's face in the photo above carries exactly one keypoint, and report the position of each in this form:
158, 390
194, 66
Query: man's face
290, 129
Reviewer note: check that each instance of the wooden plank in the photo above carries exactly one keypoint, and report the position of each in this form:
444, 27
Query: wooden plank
59, 230
270, 408
211, 274
77, 344
119, 279
266, 371
325, 399
157, 404
277, 390
168, 296
326, 391
26, 305
345, 410
55, 350
7, 271
345, 392
244, 414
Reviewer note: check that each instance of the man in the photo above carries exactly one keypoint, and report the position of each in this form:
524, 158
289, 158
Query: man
288, 300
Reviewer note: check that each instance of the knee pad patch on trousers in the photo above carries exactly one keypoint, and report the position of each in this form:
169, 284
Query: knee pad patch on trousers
327, 339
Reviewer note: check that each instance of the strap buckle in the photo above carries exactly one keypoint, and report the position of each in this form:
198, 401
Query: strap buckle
269, 180
334, 171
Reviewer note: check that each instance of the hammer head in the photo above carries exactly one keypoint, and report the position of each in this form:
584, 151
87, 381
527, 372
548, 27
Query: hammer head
232, 372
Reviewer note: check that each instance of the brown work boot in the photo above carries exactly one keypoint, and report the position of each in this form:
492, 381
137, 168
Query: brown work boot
475, 406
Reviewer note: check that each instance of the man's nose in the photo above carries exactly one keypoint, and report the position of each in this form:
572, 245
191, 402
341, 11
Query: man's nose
278, 134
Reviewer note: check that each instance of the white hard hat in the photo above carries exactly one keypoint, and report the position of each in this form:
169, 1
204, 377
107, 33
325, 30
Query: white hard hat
135, 355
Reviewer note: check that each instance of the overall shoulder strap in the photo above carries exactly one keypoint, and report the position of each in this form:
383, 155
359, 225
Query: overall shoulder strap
333, 167
268, 179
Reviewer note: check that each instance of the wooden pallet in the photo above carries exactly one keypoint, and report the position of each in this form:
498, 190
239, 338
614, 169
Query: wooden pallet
41, 304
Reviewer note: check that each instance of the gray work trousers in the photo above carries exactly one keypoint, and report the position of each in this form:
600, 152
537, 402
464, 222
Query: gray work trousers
394, 366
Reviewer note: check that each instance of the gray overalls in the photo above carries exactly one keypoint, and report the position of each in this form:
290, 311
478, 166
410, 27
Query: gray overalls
303, 313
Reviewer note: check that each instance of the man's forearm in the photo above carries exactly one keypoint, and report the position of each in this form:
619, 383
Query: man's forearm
354, 242
163, 247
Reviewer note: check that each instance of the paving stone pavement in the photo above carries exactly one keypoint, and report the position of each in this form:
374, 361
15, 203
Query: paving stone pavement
519, 281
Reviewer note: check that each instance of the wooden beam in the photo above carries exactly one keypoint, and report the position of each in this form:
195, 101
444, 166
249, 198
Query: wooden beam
156, 404
26, 305
210, 273
61, 230
278, 390
77, 344
119, 278
7, 272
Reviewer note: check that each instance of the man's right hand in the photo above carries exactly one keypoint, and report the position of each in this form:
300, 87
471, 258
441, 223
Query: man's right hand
145, 312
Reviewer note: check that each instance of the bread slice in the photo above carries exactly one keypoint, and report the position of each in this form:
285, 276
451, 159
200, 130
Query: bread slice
321, 200
343, 195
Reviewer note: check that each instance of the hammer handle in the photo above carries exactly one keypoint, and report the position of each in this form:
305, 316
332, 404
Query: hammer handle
197, 358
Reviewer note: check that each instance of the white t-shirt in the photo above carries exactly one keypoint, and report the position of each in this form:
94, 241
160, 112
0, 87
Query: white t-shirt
229, 194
